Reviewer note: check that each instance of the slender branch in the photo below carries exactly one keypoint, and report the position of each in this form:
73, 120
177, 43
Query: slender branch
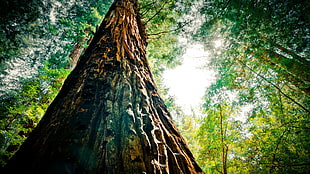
227, 3
293, 76
163, 32
161, 8
147, 7
296, 61
170, 31
281, 104
291, 53
290, 98
277, 146
224, 148
218, 170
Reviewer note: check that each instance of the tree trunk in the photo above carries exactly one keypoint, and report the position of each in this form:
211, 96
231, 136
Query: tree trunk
108, 117
224, 145
77, 50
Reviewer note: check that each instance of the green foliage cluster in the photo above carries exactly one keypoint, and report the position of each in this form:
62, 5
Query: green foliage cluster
20, 112
257, 112
11, 20
22, 109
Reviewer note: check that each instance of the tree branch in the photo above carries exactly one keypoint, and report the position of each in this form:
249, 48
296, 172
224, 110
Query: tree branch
161, 8
170, 31
147, 7
290, 98
277, 147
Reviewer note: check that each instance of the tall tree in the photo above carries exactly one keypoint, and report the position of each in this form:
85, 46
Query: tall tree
108, 117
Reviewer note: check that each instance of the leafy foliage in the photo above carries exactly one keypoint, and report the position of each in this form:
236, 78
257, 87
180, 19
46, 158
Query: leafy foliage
256, 113
264, 43
22, 109
20, 112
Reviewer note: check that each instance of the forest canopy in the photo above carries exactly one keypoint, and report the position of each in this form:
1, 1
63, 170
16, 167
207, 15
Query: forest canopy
255, 116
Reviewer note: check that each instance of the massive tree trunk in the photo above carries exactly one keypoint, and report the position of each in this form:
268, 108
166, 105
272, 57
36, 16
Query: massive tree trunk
108, 117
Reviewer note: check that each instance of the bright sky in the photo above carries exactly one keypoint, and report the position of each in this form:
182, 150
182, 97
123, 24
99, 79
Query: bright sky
188, 81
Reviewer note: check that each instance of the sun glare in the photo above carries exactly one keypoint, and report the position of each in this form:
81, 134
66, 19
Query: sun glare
188, 81
218, 43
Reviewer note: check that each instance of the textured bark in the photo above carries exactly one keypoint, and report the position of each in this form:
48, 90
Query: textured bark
108, 117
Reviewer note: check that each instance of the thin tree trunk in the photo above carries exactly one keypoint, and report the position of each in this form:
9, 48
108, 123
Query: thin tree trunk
108, 117
77, 50
224, 146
